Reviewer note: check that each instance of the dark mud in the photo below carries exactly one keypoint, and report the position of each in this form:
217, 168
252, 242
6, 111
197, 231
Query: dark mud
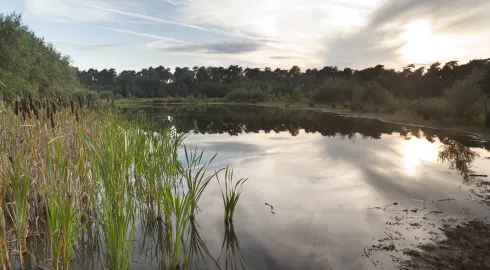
466, 246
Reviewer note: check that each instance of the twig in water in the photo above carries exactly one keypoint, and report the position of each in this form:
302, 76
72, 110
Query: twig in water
365, 252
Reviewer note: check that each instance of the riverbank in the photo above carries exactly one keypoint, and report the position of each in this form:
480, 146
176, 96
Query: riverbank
404, 117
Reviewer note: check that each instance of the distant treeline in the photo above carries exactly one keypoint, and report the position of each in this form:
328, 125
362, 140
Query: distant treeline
218, 82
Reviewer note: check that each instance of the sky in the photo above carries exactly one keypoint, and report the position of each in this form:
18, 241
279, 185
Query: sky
135, 34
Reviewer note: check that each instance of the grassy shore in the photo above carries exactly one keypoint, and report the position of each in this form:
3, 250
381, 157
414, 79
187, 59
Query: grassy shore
71, 170
402, 116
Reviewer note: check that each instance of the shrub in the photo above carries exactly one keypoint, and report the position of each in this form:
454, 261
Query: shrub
247, 95
106, 94
463, 96
432, 109
297, 94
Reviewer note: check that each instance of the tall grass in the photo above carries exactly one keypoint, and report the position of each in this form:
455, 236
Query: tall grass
231, 193
89, 171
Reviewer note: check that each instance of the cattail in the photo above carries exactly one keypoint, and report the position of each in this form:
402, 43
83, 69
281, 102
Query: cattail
80, 101
47, 112
24, 106
52, 120
30, 99
36, 113
72, 107
16, 107
76, 116
54, 108
28, 110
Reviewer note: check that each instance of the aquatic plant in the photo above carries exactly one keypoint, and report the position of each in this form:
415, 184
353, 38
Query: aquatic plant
195, 175
88, 173
63, 217
231, 193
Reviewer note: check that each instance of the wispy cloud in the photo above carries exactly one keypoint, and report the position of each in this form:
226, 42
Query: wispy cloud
89, 47
160, 20
280, 57
222, 47
161, 38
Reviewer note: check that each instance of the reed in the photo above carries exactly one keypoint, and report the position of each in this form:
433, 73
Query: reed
231, 193
93, 172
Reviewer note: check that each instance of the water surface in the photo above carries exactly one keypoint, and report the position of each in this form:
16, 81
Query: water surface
337, 185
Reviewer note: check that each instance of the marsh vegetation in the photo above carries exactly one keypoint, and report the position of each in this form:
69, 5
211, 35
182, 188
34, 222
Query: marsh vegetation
77, 176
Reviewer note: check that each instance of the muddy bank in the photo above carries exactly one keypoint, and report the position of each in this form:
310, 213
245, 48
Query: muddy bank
466, 246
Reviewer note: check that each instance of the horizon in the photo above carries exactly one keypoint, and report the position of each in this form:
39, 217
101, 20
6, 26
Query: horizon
104, 34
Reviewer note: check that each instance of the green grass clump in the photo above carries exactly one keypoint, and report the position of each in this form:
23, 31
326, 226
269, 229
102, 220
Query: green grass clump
78, 170
231, 193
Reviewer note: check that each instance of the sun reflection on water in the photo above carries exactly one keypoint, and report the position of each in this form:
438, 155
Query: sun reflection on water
415, 151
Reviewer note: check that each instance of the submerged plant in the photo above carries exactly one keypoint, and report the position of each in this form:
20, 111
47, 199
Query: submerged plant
231, 193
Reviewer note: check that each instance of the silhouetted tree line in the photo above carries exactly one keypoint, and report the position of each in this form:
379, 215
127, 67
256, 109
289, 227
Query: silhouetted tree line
218, 82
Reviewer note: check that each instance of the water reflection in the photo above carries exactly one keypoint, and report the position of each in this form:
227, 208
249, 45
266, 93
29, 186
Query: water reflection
235, 120
417, 148
321, 172
234, 258
416, 151
458, 156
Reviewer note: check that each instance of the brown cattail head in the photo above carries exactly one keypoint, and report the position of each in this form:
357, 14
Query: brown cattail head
76, 116
48, 113
52, 120
30, 99
80, 101
16, 110
72, 107
36, 113
28, 110
24, 105
54, 107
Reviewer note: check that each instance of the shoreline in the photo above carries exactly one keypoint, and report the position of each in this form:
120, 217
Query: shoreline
399, 117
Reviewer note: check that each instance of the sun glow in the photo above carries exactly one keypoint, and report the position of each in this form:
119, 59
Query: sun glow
423, 45
417, 151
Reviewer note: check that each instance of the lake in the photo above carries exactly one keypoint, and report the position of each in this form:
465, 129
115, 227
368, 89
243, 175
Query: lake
324, 191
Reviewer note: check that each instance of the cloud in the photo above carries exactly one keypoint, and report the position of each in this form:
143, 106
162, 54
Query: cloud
380, 39
67, 9
280, 57
160, 20
221, 47
90, 47
160, 38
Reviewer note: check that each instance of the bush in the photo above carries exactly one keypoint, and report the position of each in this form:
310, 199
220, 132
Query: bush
464, 95
432, 109
243, 95
297, 94
118, 96
106, 95
390, 109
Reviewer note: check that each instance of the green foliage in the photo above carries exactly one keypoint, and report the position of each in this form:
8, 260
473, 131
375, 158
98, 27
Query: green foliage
244, 95
432, 109
297, 94
106, 95
463, 96
231, 193
30, 65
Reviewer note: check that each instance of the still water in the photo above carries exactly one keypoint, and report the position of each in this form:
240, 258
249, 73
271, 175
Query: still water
324, 191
